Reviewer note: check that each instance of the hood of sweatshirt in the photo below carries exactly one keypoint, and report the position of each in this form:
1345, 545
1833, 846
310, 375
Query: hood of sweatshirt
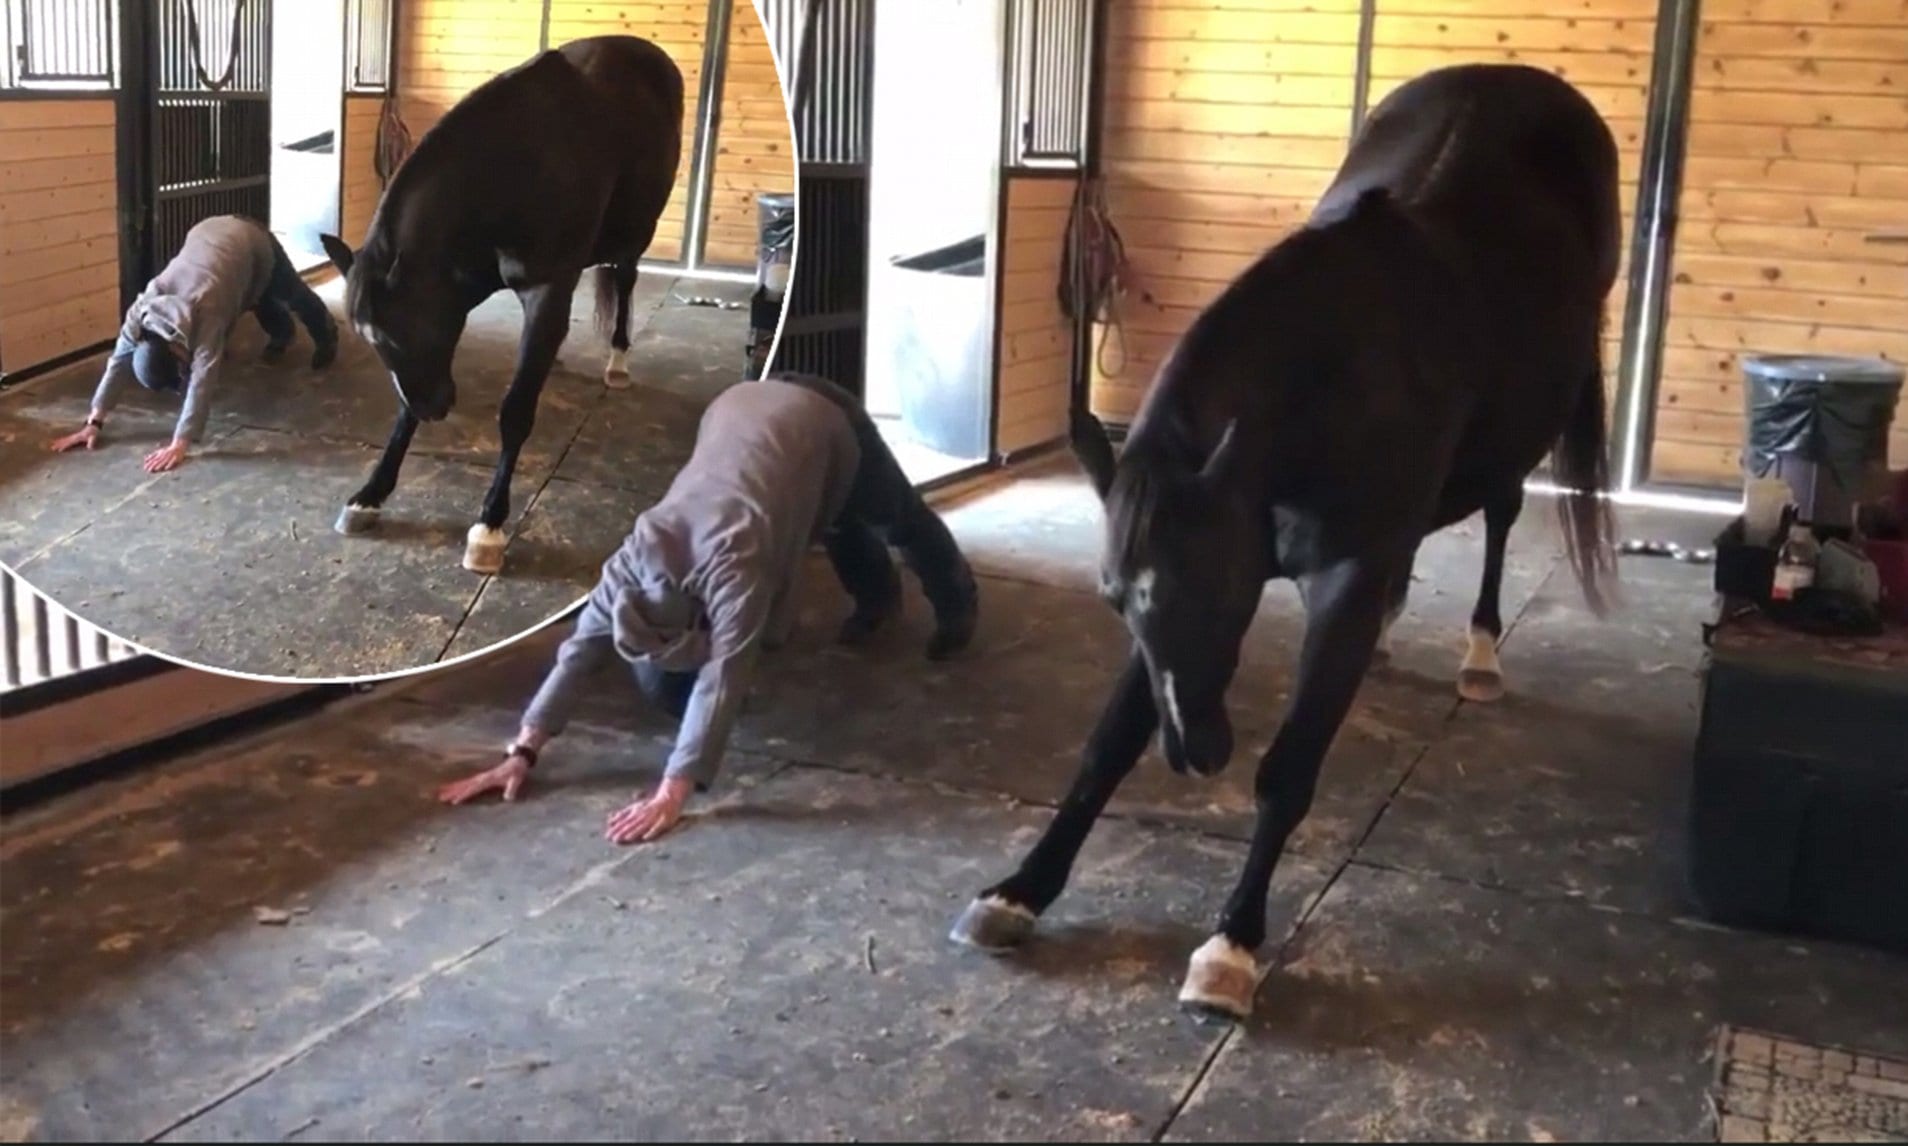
653, 619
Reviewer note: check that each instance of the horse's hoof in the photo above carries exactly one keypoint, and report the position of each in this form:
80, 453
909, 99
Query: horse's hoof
1480, 677
353, 519
484, 549
993, 925
1220, 981
1480, 685
616, 374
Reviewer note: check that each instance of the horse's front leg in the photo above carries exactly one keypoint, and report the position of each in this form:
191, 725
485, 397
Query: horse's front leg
360, 514
1003, 915
1345, 609
546, 320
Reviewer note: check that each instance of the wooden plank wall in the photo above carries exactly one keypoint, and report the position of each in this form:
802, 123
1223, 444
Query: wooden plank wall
359, 167
1222, 126
679, 28
59, 229
1034, 352
1798, 150
448, 47
1225, 124
754, 151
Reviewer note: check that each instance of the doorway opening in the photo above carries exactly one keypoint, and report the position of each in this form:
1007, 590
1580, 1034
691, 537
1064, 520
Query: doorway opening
307, 125
932, 205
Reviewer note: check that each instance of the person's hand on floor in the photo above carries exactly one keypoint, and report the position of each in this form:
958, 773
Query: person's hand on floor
165, 458
86, 436
651, 817
506, 778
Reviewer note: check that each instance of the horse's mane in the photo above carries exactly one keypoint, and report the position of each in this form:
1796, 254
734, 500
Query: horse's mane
451, 127
1150, 468
427, 160
1164, 451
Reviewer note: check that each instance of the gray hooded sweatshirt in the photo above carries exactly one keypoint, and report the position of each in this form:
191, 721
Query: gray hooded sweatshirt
705, 576
219, 275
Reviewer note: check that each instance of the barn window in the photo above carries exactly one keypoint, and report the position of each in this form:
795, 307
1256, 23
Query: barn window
57, 43
1047, 72
369, 41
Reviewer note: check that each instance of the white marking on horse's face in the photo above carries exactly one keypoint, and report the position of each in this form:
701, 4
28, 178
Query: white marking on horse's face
1142, 591
1167, 687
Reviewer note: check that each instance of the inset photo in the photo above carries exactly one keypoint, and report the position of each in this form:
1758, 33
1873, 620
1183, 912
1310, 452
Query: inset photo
342, 338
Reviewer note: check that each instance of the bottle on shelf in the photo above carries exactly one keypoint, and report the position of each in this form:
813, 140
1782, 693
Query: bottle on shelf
1795, 564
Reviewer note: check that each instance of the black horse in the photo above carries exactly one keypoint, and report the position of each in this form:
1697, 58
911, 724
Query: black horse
557, 165
1402, 362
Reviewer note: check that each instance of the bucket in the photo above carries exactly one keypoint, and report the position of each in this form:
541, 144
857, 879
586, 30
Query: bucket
1820, 424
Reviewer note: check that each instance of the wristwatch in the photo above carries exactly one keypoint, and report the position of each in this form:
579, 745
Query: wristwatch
95, 421
528, 753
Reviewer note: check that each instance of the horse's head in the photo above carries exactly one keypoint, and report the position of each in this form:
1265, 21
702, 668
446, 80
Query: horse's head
412, 315
1185, 562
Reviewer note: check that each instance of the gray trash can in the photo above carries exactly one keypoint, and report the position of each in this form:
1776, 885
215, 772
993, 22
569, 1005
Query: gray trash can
774, 260
1821, 425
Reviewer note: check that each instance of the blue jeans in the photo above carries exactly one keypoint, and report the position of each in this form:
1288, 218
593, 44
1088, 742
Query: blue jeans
668, 691
287, 295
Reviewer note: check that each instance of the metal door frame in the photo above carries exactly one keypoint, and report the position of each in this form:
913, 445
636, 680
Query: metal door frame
137, 122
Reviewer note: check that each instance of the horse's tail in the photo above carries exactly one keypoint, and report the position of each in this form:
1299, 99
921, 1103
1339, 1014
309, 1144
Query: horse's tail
1581, 466
606, 300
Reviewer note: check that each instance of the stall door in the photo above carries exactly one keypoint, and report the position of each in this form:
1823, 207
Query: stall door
211, 119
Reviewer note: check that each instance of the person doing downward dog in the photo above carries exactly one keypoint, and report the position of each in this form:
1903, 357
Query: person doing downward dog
173, 336
705, 580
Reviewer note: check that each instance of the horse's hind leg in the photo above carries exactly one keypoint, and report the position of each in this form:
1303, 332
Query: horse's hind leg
1003, 916
360, 514
616, 374
1480, 677
1345, 607
546, 320
1396, 594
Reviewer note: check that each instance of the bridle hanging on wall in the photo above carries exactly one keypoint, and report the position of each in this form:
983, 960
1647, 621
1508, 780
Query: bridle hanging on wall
394, 140
195, 44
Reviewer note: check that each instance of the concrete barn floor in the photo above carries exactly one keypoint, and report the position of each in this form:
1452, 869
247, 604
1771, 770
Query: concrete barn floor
231, 561
1479, 933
